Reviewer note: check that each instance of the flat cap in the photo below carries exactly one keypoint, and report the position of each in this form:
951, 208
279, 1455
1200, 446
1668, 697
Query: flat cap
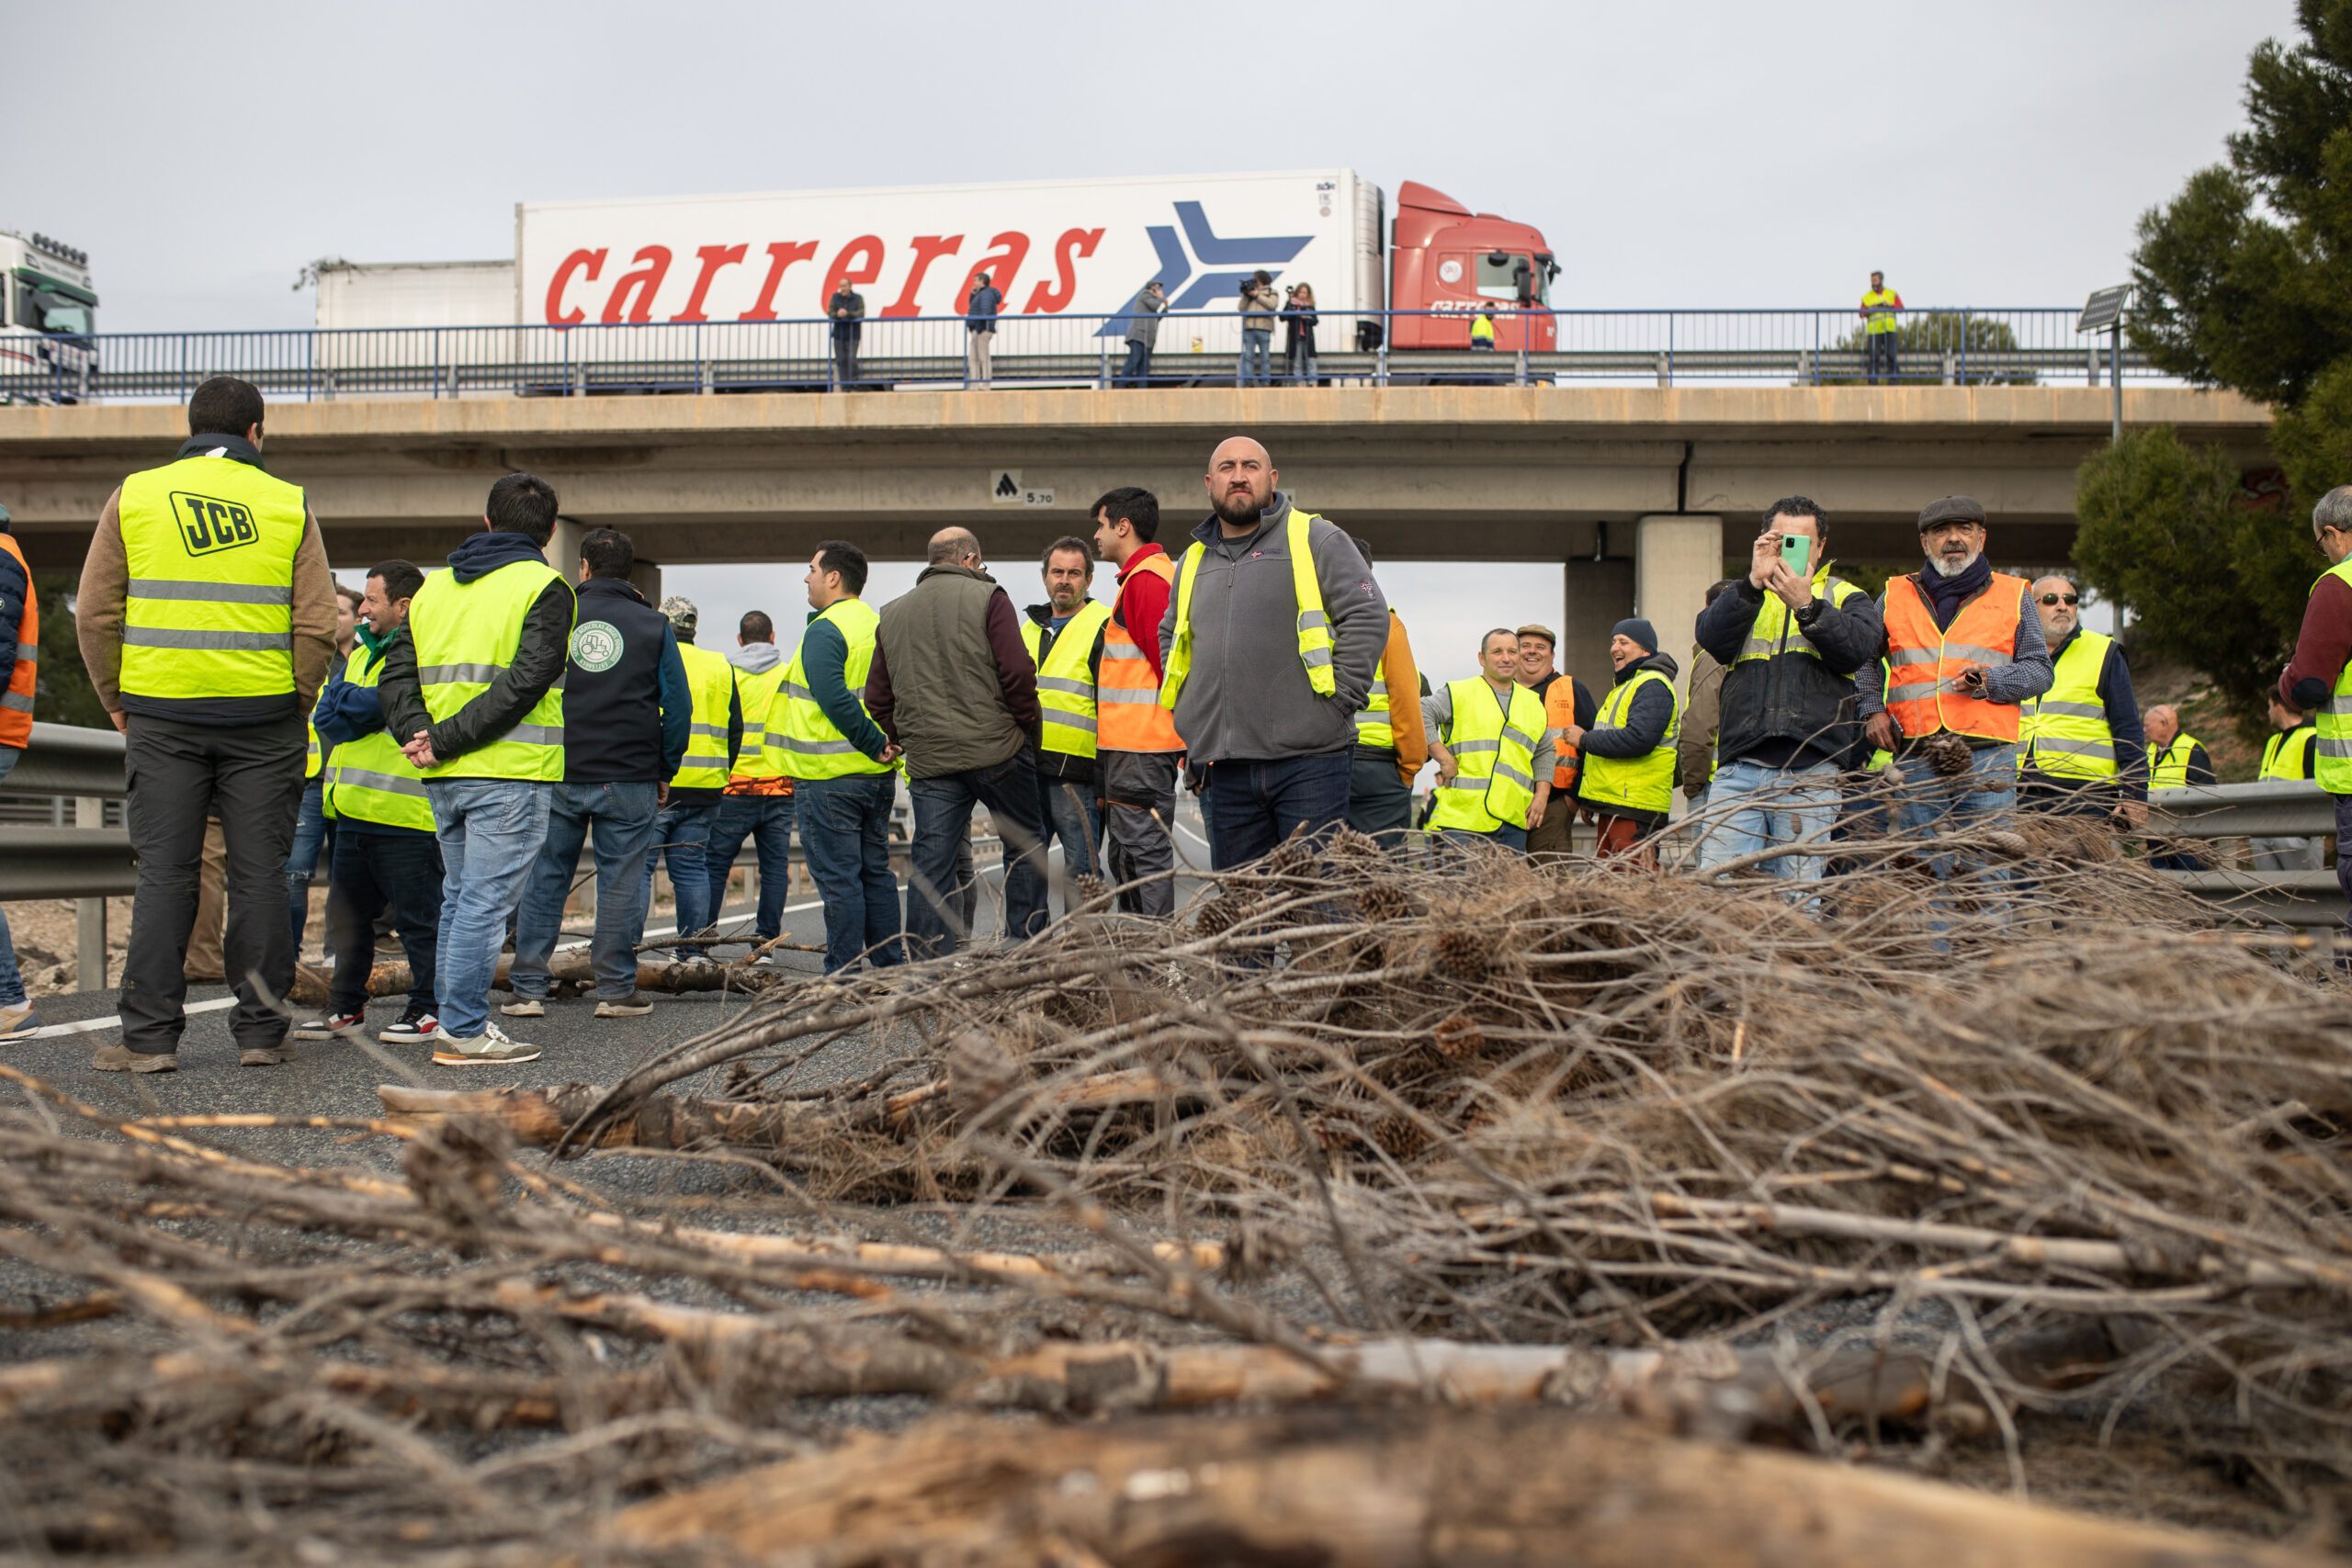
1951, 508
1532, 630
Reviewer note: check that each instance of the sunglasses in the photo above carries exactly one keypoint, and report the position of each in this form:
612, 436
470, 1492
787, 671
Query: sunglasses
2062, 598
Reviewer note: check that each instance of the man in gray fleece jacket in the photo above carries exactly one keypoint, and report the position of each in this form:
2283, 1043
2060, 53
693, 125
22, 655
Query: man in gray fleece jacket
1275, 754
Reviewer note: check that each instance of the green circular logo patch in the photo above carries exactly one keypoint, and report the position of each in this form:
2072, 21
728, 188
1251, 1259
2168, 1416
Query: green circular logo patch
596, 646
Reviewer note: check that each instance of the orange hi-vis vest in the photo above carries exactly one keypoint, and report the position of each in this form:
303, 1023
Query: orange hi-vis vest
1127, 715
1923, 661
17, 701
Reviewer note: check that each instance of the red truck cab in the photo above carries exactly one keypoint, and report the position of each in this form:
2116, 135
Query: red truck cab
1447, 259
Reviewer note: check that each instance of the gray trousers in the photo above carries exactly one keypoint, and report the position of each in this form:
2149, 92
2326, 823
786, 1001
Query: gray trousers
2285, 854
979, 350
1135, 785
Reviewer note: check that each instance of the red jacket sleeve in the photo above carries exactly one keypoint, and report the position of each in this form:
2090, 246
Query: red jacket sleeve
1143, 603
1016, 673
2321, 648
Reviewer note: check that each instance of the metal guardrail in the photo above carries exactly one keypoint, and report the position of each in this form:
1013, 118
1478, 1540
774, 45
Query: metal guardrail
88, 862
1811, 347
67, 760
2268, 809
66, 862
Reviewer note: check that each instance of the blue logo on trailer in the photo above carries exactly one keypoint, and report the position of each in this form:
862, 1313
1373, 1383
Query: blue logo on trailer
1267, 251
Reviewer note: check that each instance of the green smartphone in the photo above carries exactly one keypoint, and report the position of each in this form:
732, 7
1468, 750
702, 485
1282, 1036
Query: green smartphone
1796, 553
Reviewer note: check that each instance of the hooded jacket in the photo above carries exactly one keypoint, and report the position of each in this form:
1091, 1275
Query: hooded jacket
537, 663
1792, 708
1645, 720
756, 658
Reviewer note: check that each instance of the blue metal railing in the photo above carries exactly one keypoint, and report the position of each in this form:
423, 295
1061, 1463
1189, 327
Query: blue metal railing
1801, 347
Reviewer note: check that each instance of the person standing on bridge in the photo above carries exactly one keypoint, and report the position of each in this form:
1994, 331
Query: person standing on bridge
2318, 679
979, 330
952, 684
1267, 653
681, 827
1257, 306
20, 665
843, 767
847, 311
2081, 749
476, 686
206, 617
627, 724
1963, 653
1136, 737
385, 852
1065, 637
1143, 333
757, 802
1881, 330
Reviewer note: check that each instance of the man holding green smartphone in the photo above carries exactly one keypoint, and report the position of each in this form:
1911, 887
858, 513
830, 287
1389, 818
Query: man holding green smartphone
1789, 636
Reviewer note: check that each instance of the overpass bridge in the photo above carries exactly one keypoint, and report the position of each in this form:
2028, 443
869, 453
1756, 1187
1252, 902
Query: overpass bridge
1642, 492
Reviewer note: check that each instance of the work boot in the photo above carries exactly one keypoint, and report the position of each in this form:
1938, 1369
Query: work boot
18, 1021
123, 1059
487, 1049
637, 1004
263, 1055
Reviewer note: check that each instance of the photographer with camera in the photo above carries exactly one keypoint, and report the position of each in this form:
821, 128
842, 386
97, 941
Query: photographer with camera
1789, 636
1298, 339
1258, 309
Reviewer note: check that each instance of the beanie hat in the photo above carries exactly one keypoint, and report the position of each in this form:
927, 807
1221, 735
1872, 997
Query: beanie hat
682, 613
1639, 630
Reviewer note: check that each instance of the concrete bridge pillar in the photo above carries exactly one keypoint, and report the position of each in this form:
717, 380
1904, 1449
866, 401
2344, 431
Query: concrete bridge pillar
1600, 595
1676, 559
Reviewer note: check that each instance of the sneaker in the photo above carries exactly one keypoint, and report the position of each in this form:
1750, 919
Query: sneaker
490, 1048
327, 1028
637, 1004
263, 1056
413, 1029
123, 1059
521, 1006
18, 1021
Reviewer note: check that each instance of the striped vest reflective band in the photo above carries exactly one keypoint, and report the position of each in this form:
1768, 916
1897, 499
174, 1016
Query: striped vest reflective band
211, 544
710, 684
16, 701
1768, 634
1923, 659
368, 780
2334, 720
1314, 626
311, 755
1373, 724
1638, 783
1128, 716
803, 744
2169, 769
1065, 679
2287, 752
2064, 732
466, 633
1496, 751
761, 695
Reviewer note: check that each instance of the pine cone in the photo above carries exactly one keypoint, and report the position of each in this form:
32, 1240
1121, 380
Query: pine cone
1292, 857
1384, 901
1462, 954
1400, 1137
1336, 1131
1947, 753
1459, 1038
1349, 844
1217, 915
980, 1072
1089, 885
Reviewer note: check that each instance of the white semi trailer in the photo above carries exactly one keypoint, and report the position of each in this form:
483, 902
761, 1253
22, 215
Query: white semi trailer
48, 312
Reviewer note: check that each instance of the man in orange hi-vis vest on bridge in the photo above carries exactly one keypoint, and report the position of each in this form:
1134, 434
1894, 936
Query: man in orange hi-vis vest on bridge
1964, 649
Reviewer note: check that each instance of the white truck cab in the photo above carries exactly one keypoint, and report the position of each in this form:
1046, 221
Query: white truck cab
47, 313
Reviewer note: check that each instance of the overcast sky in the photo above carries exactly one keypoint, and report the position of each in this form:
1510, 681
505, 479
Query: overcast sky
1691, 154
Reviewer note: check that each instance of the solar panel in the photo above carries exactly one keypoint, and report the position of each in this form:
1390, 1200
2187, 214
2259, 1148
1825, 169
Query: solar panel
2104, 309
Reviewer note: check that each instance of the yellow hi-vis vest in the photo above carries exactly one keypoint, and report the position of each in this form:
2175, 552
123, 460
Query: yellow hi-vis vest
1481, 329
1774, 631
2287, 752
1496, 751
1314, 626
1881, 304
369, 779
1638, 783
762, 696
2334, 720
2064, 732
710, 686
466, 633
1373, 726
2169, 767
311, 756
211, 544
1066, 680
802, 742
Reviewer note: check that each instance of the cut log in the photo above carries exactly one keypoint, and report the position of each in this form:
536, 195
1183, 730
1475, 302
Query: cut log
1355, 1489
575, 969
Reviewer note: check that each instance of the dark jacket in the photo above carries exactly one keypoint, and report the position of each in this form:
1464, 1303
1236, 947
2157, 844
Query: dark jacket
1791, 709
626, 708
1646, 719
1143, 317
535, 664
848, 299
980, 310
15, 591
1298, 322
346, 712
952, 681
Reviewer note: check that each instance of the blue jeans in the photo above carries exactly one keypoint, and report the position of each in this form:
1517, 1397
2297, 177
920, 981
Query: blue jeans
1299, 363
1257, 355
1252, 807
1984, 796
683, 832
1072, 816
12, 982
623, 814
1504, 835
490, 832
1137, 368
767, 820
846, 832
313, 833
1755, 807
943, 820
